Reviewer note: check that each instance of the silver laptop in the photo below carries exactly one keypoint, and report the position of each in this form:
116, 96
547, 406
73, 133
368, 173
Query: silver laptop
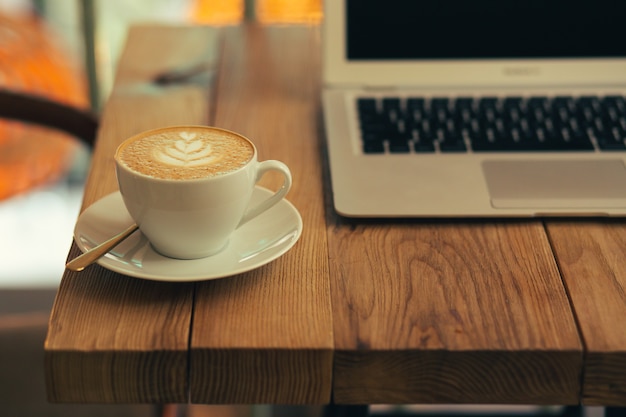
475, 108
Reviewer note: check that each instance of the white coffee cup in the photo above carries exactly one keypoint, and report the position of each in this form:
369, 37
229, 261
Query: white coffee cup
188, 187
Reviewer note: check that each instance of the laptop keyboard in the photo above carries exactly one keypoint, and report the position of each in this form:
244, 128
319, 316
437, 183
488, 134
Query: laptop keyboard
492, 124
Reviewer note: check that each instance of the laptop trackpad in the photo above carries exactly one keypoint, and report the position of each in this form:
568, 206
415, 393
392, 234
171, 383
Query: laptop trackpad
556, 183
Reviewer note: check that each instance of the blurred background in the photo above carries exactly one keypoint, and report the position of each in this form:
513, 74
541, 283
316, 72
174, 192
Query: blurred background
68, 50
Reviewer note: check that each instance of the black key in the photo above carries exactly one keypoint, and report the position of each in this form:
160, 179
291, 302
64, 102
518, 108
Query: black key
611, 115
513, 103
612, 140
370, 119
576, 140
373, 147
440, 103
374, 126
366, 118
488, 103
367, 105
368, 112
538, 103
439, 118
463, 103
399, 146
391, 104
564, 102
424, 131
489, 115
424, 145
415, 103
618, 102
591, 102
487, 140
452, 144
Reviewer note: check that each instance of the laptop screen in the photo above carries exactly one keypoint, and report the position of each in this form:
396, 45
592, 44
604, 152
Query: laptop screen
484, 29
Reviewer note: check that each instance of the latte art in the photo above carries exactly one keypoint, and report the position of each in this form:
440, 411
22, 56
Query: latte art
189, 153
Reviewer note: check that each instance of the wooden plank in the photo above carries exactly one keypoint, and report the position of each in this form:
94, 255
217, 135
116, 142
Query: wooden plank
111, 338
591, 256
442, 312
266, 336
115, 339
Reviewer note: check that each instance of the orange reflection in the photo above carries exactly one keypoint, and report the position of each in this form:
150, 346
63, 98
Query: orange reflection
289, 11
218, 12
33, 62
265, 11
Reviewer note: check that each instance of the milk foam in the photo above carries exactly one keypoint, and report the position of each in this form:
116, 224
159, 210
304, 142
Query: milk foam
189, 151
186, 154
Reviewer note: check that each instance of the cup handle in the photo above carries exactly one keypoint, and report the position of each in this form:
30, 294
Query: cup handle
265, 166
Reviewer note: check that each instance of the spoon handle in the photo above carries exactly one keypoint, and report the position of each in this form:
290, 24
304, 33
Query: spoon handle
92, 255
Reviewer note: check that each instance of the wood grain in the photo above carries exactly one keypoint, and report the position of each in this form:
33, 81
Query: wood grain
266, 336
591, 256
450, 313
115, 339
111, 338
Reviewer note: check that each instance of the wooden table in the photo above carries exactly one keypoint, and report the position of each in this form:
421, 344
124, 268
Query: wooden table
358, 312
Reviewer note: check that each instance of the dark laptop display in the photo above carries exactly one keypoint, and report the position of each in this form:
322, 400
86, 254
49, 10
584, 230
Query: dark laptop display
458, 29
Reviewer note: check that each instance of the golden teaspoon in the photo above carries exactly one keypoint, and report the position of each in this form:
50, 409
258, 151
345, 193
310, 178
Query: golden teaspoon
92, 255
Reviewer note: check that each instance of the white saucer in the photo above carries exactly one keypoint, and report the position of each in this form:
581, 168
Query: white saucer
256, 243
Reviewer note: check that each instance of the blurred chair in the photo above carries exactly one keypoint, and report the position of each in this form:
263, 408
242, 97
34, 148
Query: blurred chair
24, 312
32, 108
36, 139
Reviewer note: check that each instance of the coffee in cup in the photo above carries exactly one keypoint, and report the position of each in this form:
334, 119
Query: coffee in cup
188, 187
196, 152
